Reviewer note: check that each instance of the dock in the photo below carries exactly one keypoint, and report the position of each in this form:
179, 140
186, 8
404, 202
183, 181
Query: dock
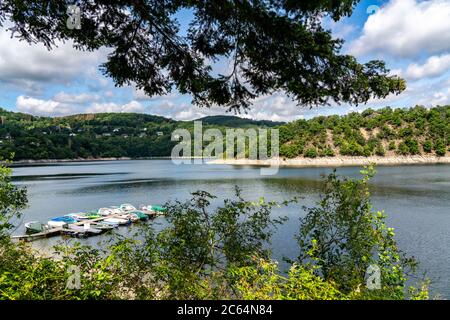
61, 230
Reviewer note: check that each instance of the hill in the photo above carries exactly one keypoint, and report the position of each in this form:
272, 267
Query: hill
237, 122
384, 132
100, 135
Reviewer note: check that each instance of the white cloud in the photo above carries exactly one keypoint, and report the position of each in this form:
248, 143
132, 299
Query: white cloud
33, 66
276, 107
139, 94
406, 28
81, 98
42, 107
132, 106
64, 104
435, 66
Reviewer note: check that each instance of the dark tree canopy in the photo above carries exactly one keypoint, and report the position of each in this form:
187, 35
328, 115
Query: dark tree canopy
273, 45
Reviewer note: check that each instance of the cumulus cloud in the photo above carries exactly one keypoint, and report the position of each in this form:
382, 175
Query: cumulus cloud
42, 107
428, 94
406, 28
132, 106
33, 66
435, 66
277, 107
81, 98
64, 104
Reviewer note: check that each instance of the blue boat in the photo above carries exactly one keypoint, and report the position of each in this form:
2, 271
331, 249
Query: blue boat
64, 219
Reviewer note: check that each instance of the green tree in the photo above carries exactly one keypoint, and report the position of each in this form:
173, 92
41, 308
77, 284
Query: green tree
265, 282
427, 146
379, 151
273, 45
413, 146
311, 153
440, 147
200, 246
403, 148
392, 145
343, 236
12, 199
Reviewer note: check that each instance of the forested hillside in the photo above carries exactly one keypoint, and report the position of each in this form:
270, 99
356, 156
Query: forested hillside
98, 135
384, 132
237, 122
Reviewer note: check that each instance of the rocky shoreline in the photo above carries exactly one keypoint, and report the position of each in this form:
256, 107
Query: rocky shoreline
50, 161
300, 162
337, 161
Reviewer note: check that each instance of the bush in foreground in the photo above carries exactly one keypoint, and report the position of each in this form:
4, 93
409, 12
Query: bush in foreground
209, 252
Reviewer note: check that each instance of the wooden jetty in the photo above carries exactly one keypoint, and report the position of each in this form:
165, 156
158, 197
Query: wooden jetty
61, 230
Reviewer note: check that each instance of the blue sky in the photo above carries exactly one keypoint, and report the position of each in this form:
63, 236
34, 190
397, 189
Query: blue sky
412, 36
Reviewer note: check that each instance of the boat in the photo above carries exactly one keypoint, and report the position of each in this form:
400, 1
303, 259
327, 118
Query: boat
119, 221
154, 209
110, 223
126, 207
105, 211
139, 214
79, 216
92, 215
116, 210
147, 211
85, 228
35, 227
129, 216
103, 226
64, 219
60, 221
56, 224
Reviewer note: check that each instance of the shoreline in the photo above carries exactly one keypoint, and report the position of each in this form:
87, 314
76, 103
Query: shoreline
301, 162
337, 161
30, 162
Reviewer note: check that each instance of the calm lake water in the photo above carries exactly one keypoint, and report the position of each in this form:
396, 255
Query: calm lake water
416, 198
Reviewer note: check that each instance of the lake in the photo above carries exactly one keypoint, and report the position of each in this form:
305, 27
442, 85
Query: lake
416, 198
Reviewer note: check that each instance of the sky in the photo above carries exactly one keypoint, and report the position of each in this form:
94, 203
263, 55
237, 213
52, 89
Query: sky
411, 36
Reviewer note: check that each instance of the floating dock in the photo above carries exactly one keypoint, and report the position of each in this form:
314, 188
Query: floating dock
67, 230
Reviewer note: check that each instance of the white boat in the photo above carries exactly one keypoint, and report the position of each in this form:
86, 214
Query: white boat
119, 221
147, 208
129, 216
116, 210
126, 207
77, 216
105, 211
56, 224
154, 210
86, 228
110, 223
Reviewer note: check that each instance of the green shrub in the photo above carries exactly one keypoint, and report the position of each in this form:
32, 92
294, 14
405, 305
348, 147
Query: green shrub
341, 237
440, 147
403, 148
413, 146
392, 145
310, 153
427, 146
379, 151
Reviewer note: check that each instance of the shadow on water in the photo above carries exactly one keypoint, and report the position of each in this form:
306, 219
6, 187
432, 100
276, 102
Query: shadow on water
63, 176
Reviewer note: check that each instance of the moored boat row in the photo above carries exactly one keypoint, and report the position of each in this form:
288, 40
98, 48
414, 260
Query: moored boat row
81, 224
